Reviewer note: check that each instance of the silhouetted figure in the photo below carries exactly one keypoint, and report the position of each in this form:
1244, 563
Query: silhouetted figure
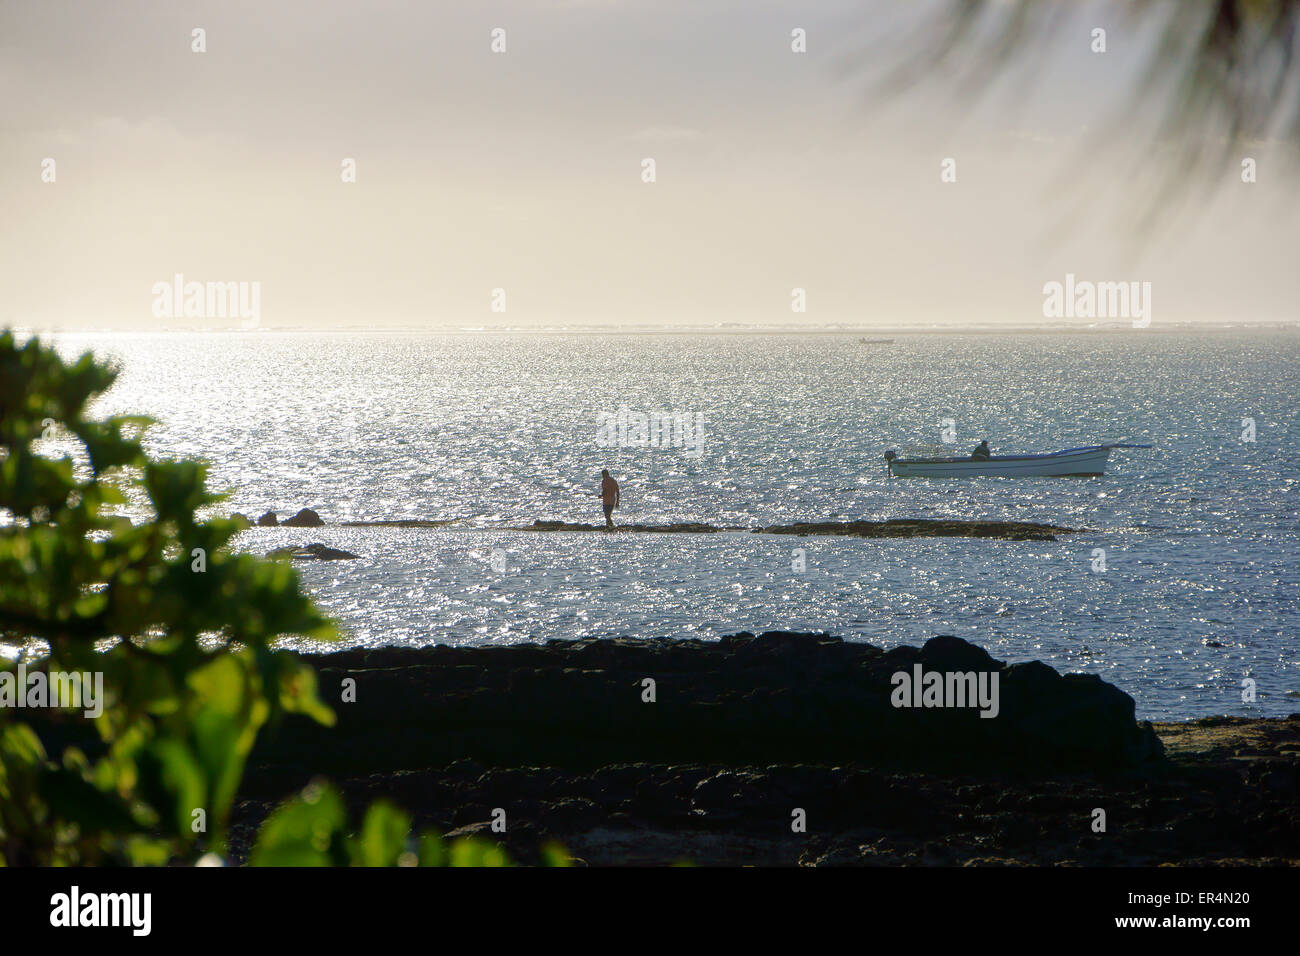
981, 452
610, 496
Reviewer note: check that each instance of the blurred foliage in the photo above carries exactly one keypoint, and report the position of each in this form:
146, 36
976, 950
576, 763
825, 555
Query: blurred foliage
1228, 62
190, 677
311, 830
1219, 75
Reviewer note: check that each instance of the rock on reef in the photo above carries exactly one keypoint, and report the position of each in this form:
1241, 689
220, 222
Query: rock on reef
306, 518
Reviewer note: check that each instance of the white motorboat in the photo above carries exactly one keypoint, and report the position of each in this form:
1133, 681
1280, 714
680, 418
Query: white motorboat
1088, 461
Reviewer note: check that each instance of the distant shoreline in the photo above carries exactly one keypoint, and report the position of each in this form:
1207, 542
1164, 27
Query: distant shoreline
1188, 329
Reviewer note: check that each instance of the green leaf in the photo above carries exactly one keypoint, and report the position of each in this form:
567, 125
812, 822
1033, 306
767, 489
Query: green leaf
382, 840
433, 849
469, 851
304, 831
172, 780
553, 854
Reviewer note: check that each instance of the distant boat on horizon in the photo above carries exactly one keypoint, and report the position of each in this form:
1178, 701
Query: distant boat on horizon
875, 341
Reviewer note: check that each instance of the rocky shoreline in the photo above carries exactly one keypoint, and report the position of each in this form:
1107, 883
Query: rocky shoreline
717, 757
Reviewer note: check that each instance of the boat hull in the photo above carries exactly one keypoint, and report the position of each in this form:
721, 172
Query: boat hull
1076, 462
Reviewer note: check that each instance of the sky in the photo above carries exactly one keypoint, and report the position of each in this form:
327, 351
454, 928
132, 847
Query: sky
522, 170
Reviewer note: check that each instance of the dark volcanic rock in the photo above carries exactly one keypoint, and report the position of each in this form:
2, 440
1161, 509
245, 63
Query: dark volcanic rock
746, 730
267, 520
306, 518
777, 697
1201, 807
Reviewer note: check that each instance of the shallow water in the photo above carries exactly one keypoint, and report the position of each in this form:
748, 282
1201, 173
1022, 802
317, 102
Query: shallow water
1199, 533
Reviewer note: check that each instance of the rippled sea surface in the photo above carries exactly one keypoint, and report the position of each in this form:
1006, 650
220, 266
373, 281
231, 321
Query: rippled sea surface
1198, 591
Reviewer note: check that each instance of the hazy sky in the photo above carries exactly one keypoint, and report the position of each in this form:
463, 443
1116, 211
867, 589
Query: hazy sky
522, 170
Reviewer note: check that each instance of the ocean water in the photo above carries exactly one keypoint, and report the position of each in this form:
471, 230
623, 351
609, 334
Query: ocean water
1199, 534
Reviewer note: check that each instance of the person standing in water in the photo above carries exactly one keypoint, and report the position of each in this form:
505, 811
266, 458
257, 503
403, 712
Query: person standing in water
610, 496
